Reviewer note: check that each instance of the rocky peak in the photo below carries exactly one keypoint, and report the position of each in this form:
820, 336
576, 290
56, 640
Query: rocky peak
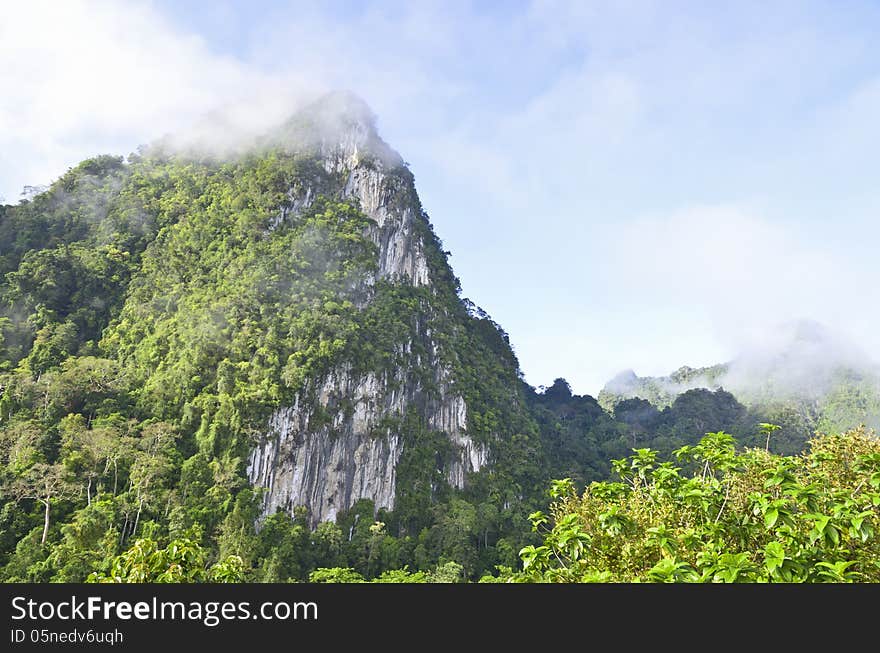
327, 465
341, 128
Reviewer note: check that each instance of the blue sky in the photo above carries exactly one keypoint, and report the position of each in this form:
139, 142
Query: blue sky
622, 184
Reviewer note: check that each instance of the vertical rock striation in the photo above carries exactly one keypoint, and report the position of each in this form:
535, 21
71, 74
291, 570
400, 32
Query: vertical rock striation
327, 468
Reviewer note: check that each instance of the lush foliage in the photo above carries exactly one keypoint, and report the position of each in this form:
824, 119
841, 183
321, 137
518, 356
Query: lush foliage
746, 516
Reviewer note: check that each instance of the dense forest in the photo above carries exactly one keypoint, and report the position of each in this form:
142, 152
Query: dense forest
157, 310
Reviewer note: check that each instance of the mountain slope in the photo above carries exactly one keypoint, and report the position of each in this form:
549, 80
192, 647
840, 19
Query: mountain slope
273, 330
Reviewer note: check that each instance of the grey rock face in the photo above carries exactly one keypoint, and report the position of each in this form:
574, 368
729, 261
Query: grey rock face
329, 467
401, 253
352, 149
304, 461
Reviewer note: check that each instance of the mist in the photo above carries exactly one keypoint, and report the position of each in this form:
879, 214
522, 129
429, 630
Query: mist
799, 359
102, 77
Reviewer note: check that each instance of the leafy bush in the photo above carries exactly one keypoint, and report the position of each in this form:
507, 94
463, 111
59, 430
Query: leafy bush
737, 517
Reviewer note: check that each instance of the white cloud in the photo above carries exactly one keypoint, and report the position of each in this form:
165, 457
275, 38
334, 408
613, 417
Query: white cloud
713, 250
83, 78
740, 269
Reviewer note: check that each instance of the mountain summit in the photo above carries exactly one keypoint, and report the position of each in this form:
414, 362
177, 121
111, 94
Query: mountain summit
341, 128
424, 385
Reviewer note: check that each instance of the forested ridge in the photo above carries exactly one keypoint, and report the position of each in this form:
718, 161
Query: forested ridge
156, 309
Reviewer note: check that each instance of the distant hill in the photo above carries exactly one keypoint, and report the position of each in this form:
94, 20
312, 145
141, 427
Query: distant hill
805, 379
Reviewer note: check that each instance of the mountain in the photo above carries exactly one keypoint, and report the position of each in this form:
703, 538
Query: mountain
250, 360
200, 342
805, 379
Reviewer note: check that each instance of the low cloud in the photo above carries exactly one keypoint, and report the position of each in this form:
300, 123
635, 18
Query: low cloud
800, 359
85, 78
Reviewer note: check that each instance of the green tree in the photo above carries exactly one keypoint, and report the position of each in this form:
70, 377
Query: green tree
181, 561
46, 484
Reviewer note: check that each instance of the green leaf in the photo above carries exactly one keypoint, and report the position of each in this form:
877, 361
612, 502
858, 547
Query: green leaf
833, 534
774, 556
836, 572
537, 518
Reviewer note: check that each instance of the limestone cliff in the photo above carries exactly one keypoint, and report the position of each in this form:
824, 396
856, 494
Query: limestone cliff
327, 465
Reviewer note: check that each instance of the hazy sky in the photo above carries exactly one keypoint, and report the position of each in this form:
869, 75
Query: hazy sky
622, 184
